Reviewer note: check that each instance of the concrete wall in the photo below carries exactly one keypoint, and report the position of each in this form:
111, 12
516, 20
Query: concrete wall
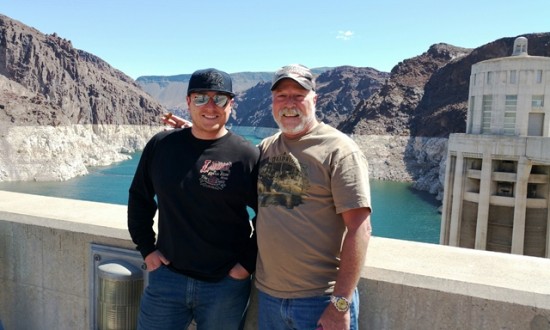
45, 266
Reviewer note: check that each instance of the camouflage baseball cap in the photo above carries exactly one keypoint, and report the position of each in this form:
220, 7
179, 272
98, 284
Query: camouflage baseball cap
297, 72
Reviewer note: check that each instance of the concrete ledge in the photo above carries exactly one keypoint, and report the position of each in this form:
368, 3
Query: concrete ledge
481, 274
44, 267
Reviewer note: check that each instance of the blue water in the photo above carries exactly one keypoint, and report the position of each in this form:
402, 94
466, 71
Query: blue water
398, 211
404, 213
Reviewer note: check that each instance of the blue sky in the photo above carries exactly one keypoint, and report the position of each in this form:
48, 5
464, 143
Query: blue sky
173, 37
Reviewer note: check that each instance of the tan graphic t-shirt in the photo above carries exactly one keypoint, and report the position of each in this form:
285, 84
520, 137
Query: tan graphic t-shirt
303, 187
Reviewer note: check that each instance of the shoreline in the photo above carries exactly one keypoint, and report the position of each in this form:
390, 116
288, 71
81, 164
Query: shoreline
47, 153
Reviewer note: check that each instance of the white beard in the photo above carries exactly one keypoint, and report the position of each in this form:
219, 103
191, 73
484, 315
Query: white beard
304, 120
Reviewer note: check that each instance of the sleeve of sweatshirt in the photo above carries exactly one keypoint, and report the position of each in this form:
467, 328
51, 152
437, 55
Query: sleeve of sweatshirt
142, 207
248, 257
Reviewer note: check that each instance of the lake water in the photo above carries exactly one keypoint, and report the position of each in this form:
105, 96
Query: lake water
398, 211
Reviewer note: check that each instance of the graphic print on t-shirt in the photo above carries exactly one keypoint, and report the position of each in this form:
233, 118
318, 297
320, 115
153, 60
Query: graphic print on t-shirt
282, 180
214, 174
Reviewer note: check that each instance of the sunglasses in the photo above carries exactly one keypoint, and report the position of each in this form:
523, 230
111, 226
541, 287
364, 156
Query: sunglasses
202, 99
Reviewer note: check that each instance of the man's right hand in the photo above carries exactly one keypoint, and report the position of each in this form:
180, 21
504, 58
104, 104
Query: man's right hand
175, 121
238, 272
154, 260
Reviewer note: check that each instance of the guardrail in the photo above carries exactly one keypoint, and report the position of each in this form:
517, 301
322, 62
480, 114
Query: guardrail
45, 269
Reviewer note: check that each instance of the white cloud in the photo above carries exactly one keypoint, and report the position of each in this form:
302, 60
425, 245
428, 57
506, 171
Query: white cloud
344, 35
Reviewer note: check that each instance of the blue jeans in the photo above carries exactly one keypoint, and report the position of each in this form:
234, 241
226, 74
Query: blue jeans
172, 300
298, 313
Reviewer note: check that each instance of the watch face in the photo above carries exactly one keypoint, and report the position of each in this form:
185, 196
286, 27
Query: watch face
342, 304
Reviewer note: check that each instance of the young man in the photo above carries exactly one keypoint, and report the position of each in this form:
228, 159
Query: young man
313, 215
201, 180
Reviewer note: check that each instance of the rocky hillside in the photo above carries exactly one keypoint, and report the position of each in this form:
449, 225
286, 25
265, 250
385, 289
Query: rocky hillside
391, 109
427, 94
340, 90
77, 104
56, 84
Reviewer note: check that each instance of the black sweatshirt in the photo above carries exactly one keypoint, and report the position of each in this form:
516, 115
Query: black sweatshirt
203, 188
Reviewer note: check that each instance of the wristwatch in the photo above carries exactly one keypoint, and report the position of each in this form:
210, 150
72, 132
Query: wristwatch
341, 303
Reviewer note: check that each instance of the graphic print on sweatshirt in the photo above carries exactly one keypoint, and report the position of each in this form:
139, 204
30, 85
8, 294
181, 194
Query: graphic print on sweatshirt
282, 180
214, 174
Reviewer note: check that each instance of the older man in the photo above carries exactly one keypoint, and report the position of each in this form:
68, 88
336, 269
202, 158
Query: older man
313, 215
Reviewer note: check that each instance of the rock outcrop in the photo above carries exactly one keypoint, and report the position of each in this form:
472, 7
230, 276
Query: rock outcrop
59, 105
57, 153
390, 110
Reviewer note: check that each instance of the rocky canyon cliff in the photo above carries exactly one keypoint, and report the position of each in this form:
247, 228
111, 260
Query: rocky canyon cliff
63, 109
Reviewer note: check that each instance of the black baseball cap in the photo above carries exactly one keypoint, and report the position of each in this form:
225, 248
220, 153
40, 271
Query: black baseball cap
210, 80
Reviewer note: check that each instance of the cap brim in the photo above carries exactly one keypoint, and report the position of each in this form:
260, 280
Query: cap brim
194, 90
306, 84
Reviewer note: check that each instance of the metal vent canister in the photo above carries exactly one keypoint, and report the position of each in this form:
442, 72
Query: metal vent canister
120, 288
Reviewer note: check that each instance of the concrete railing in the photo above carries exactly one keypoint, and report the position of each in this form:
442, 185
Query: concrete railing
45, 272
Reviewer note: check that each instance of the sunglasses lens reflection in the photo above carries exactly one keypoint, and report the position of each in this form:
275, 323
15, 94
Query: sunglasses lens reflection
202, 99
